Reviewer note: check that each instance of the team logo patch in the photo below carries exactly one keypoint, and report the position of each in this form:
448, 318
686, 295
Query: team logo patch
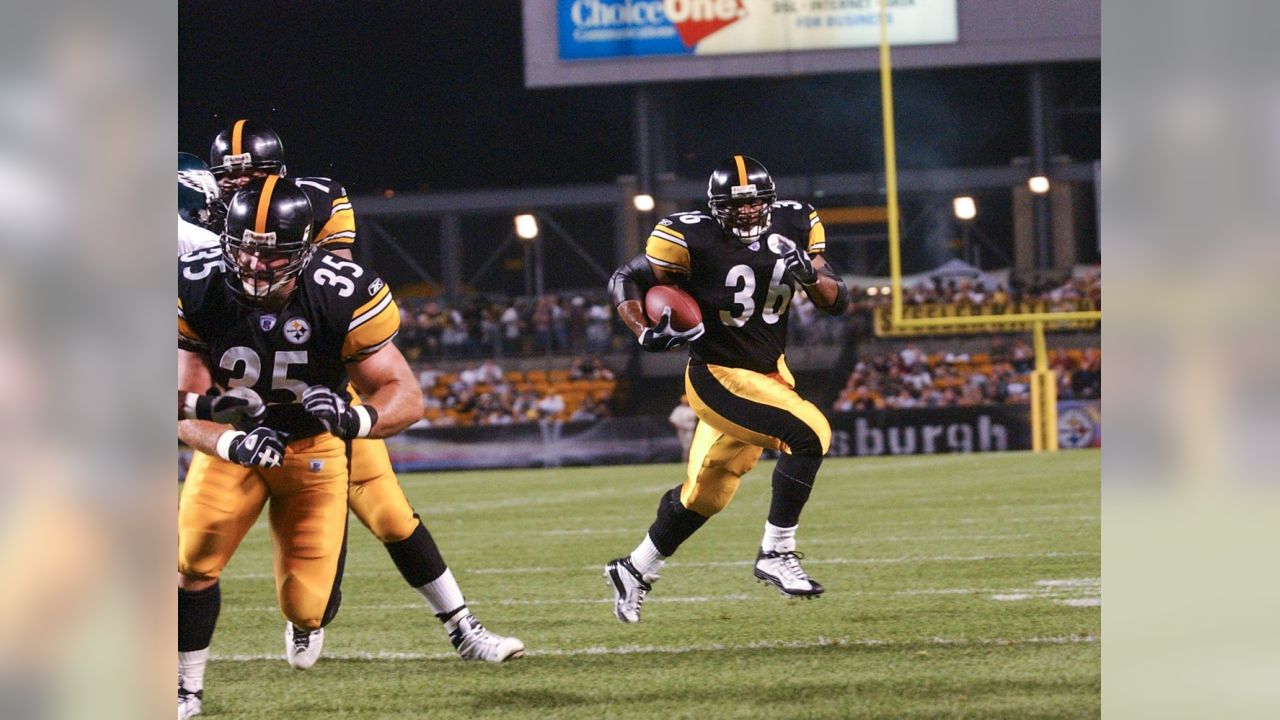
375, 286
297, 331
266, 321
780, 244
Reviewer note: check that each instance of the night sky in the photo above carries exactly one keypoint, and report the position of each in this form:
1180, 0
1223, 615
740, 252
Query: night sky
430, 96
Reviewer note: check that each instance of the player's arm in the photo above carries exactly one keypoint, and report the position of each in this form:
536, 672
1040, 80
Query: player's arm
810, 269
828, 293
627, 287
261, 447
386, 383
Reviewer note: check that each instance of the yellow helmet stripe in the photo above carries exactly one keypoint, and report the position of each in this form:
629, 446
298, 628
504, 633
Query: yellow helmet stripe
264, 203
237, 136
742, 169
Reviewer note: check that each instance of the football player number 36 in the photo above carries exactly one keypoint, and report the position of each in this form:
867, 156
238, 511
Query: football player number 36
742, 280
244, 362
344, 284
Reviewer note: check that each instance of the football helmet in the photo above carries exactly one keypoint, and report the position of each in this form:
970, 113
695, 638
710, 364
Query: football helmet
740, 194
267, 239
199, 201
244, 147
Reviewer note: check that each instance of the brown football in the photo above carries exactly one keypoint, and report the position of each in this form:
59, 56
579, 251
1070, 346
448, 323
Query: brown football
684, 309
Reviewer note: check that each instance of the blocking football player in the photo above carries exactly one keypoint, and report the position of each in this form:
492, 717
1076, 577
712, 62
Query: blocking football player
742, 263
248, 149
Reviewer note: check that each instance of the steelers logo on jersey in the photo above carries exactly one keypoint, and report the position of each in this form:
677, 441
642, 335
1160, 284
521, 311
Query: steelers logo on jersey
297, 331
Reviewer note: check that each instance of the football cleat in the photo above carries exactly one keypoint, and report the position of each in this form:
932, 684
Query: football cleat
782, 570
629, 588
474, 642
302, 647
188, 702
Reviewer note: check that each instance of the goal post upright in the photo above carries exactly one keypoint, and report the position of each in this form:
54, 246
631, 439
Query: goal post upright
1043, 381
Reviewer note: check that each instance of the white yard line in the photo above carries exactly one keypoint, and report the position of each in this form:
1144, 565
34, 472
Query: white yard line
819, 642
535, 569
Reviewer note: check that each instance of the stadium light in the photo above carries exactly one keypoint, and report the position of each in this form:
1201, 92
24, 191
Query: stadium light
873, 291
964, 207
526, 226
1038, 184
643, 202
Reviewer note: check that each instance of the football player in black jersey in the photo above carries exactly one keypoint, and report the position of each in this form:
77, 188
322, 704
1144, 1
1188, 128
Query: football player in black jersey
742, 263
248, 149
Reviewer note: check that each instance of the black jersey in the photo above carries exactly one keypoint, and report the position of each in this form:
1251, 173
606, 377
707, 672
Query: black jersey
339, 313
742, 290
334, 227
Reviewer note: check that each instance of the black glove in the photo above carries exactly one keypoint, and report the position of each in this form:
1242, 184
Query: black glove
260, 447
800, 266
338, 417
662, 337
798, 263
236, 404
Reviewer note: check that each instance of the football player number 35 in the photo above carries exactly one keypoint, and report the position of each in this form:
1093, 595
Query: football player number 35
249, 366
344, 284
742, 280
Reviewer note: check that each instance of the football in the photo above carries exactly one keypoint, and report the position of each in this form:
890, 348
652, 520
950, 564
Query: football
684, 309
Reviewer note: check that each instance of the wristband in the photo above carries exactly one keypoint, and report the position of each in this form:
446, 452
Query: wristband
368, 418
196, 406
223, 448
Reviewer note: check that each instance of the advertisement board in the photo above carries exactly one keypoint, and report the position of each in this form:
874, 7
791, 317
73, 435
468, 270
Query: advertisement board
603, 29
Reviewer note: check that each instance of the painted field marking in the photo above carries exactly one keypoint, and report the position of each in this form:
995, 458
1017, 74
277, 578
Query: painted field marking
820, 642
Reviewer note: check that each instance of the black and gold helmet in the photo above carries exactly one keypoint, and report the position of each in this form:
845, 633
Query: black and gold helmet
740, 194
246, 146
267, 239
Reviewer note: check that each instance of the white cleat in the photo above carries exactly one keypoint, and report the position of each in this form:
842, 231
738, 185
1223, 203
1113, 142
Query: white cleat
629, 588
474, 642
188, 702
302, 647
782, 570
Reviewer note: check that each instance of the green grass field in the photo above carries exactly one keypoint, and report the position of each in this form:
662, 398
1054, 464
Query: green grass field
957, 586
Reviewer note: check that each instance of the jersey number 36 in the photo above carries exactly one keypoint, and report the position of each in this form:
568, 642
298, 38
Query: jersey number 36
742, 280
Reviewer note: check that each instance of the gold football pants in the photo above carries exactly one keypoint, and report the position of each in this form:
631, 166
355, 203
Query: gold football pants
220, 501
375, 494
740, 413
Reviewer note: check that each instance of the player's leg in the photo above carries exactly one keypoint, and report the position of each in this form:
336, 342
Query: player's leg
378, 501
717, 463
308, 536
219, 503
765, 410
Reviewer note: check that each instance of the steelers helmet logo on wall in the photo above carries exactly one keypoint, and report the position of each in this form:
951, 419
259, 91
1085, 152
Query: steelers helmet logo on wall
740, 194
246, 146
267, 240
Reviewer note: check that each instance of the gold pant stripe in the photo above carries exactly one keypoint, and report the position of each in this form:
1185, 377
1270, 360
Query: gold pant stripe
717, 463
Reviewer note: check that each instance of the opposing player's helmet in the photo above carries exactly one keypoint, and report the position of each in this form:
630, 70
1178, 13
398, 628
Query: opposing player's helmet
245, 146
740, 194
199, 201
268, 237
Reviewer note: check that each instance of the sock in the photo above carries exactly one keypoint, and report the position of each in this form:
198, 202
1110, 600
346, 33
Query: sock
191, 667
646, 557
674, 524
778, 539
197, 618
445, 598
417, 557
792, 482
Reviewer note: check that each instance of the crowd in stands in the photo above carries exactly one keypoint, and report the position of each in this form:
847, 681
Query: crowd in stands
484, 394
576, 323
482, 327
977, 293
910, 378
